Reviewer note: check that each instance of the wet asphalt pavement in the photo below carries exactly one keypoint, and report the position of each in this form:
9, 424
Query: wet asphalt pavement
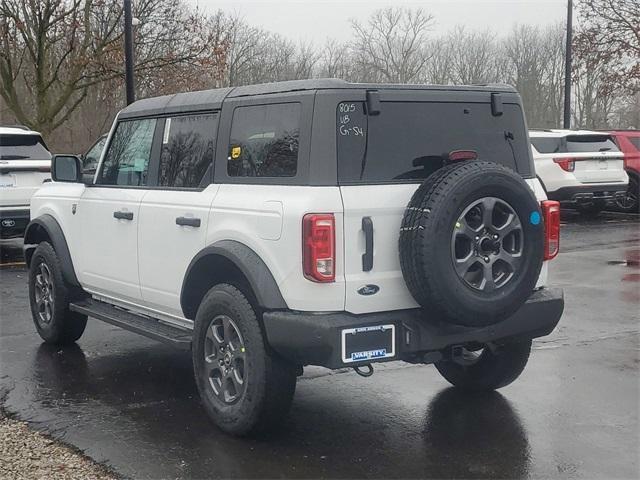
131, 403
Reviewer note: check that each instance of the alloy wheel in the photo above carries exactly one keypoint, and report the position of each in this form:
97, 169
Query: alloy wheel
487, 244
44, 293
225, 359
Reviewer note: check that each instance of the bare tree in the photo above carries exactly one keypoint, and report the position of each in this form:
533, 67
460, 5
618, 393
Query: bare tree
335, 61
610, 34
473, 55
390, 47
54, 51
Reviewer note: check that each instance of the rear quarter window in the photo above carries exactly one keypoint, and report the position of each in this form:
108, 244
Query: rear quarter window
407, 141
547, 144
264, 141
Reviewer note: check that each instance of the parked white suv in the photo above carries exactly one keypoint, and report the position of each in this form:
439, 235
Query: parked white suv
316, 222
25, 162
580, 168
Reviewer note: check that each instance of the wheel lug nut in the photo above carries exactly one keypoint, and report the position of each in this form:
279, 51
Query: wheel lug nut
486, 259
495, 237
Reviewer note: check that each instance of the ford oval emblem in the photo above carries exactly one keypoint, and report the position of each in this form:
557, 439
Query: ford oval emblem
369, 289
8, 223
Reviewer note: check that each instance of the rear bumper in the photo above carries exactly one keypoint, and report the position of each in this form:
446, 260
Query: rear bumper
315, 338
13, 221
588, 193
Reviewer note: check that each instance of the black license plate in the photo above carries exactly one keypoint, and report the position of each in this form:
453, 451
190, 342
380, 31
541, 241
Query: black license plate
368, 343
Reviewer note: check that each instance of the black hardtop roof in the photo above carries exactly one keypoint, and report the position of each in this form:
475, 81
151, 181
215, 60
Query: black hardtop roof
212, 99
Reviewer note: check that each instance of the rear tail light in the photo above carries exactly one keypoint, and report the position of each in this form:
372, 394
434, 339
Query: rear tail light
567, 164
319, 247
551, 217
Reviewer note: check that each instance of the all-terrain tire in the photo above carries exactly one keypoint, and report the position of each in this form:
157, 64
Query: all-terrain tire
425, 243
270, 381
491, 370
49, 297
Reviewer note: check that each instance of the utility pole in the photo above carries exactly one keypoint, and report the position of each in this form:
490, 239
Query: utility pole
567, 67
128, 53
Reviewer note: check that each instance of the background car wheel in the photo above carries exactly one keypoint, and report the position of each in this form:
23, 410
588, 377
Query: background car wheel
630, 203
486, 368
244, 387
49, 299
471, 243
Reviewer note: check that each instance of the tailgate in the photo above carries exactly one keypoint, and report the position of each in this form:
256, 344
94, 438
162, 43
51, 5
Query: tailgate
20, 179
385, 212
600, 169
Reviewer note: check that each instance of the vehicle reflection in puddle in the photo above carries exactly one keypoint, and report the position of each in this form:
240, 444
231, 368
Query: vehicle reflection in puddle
480, 432
630, 290
11, 253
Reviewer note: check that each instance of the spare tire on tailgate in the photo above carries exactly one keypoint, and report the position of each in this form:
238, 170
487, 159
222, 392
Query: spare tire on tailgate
472, 243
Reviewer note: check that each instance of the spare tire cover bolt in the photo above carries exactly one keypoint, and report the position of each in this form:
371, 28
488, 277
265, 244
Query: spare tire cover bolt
486, 259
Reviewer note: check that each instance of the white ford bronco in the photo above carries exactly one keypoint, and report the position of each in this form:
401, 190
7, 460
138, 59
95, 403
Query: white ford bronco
319, 222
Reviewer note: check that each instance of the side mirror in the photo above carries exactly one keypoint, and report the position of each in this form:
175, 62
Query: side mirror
66, 168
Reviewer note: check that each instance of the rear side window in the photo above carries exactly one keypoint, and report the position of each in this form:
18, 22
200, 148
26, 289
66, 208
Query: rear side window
188, 144
23, 147
126, 162
547, 144
407, 141
264, 141
574, 144
635, 141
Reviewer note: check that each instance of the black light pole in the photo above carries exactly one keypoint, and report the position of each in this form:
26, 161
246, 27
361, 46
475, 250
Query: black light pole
128, 52
567, 67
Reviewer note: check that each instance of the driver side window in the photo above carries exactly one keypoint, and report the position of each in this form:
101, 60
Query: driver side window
126, 163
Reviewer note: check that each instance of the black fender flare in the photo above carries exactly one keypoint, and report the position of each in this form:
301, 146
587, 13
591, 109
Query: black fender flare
58, 241
264, 286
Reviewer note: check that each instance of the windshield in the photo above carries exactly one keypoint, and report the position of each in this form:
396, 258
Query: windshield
407, 141
23, 147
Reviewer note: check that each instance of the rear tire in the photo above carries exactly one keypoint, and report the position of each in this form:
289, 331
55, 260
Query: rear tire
630, 203
243, 386
49, 297
489, 370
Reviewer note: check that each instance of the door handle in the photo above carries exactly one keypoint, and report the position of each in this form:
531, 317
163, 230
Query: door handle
367, 256
120, 215
188, 221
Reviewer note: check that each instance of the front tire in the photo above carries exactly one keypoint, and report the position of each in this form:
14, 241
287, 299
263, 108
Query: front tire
243, 386
489, 369
49, 297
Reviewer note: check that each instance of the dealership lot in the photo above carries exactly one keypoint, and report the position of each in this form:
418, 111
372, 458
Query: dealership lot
132, 403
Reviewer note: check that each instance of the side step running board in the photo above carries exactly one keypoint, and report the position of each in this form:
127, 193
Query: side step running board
143, 325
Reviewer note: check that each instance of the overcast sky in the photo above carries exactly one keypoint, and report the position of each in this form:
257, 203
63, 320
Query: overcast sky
315, 20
